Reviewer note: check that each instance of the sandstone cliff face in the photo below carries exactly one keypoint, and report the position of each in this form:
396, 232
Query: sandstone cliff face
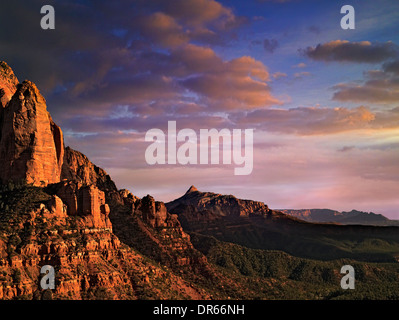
87, 202
8, 84
77, 167
31, 144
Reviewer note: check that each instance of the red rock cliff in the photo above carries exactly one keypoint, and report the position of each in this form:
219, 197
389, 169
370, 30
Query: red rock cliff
8, 84
31, 144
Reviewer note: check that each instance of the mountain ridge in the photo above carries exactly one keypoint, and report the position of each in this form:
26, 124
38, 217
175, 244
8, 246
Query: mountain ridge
342, 217
253, 224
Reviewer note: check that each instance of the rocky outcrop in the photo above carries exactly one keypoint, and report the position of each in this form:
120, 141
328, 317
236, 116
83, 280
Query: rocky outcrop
215, 205
87, 202
8, 84
147, 224
55, 209
153, 212
95, 210
77, 167
31, 144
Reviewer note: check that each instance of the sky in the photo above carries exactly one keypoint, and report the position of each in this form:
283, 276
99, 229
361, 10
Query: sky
323, 101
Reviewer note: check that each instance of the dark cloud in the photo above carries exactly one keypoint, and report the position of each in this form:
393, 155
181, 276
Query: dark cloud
131, 52
314, 29
369, 92
189, 73
270, 45
345, 51
379, 86
392, 67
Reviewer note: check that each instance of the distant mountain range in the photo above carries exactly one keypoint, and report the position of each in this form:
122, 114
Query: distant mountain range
254, 225
333, 216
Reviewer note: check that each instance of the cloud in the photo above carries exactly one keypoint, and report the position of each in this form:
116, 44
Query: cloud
379, 86
189, 74
345, 51
200, 13
388, 119
278, 75
307, 120
57, 59
238, 83
368, 92
270, 45
300, 65
361, 178
302, 74
392, 67
163, 29
152, 51
200, 20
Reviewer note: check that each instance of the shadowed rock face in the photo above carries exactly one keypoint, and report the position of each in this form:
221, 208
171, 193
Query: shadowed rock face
218, 205
78, 167
31, 144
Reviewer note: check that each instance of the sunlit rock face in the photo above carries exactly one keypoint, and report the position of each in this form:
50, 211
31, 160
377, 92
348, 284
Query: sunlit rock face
31, 144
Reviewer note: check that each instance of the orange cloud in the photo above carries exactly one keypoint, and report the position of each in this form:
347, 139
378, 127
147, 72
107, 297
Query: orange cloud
198, 12
163, 29
237, 84
180, 21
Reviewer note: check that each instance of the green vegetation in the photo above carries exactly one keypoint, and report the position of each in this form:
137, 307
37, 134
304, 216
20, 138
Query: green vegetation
16, 201
306, 240
278, 275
